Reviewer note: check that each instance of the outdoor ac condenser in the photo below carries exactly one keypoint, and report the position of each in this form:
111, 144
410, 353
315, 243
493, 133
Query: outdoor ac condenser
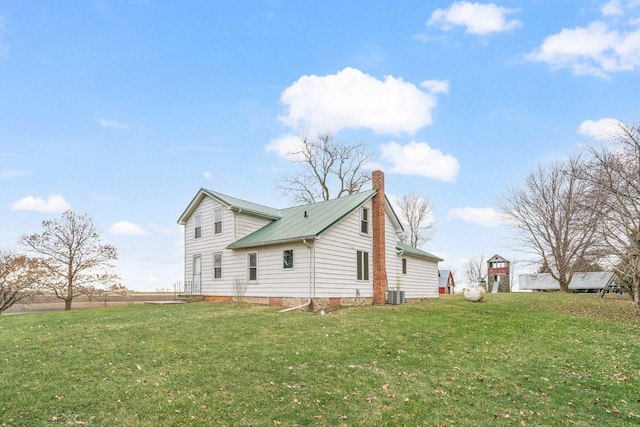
395, 297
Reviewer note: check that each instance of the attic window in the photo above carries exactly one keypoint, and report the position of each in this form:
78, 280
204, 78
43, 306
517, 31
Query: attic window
198, 226
364, 221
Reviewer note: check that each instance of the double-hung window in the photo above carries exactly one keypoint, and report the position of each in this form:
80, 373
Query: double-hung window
364, 220
362, 265
217, 266
252, 266
217, 221
198, 226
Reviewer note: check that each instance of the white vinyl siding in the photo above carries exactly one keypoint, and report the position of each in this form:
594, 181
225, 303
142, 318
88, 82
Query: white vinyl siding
271, 278
247, 224
421, 279
234, 226
209, 242
335, 259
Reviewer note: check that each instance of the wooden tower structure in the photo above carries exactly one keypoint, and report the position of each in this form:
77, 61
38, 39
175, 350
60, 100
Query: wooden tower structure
498, 275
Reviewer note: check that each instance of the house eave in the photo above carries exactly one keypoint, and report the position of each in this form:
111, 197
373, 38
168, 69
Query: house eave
233, 246
249, 211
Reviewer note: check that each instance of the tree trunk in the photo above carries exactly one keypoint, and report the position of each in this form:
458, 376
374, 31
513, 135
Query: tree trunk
69, 298
564, 286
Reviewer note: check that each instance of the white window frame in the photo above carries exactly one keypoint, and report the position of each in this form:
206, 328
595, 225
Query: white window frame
362, 266
365, 220
217, 254
250, 267
197, 226
217, 224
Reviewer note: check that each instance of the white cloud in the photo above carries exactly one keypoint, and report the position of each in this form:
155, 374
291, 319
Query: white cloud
612, 8
487, 217
207, 175
54, 203
478, 18
418, 158
286, 146
602, 129
355, 100
126, 227
113, 124
598, 49
436, 86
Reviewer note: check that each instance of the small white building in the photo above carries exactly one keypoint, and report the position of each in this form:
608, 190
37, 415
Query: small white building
344, 251
592, 281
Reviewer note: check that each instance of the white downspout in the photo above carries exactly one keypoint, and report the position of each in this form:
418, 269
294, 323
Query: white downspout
308, 303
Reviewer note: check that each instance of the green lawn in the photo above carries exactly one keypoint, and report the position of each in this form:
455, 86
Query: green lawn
520, 359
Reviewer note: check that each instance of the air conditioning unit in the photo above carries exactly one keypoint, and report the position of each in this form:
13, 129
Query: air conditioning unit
395, 297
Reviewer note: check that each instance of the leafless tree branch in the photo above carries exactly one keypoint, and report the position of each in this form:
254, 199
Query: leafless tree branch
416, 210
329, 169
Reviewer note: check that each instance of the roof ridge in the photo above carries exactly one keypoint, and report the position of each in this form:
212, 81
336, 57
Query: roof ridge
360, 193
227, 196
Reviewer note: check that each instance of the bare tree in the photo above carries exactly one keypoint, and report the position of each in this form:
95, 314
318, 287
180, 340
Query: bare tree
613, 176
19, 278
239, 288
475, 270
549, 216
330, 169
416, 210
74, 259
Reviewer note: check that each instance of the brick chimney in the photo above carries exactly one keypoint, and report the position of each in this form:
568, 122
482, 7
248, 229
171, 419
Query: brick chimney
379, 253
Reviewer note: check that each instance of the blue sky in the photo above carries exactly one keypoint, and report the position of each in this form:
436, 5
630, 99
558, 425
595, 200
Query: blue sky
124, 109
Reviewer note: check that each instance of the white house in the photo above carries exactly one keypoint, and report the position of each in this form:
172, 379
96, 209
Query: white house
344, 251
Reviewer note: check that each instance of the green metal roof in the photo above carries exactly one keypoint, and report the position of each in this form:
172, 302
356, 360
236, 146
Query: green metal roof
304, 222
410, 250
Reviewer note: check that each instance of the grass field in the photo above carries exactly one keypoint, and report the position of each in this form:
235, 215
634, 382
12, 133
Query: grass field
515, 359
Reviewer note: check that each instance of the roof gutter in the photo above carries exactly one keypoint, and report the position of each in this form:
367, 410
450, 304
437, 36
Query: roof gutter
272, 242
